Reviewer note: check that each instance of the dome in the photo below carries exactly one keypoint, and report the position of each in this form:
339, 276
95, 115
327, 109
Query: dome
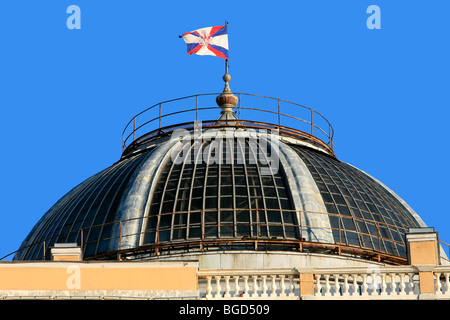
222, 185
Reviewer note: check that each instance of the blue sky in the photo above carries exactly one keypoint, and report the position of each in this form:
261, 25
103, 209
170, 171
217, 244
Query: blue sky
66, 95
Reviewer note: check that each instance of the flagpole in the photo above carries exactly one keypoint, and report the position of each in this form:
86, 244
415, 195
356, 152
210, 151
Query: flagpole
226, 60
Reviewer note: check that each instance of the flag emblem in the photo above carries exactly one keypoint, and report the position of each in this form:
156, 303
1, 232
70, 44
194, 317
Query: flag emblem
212, 41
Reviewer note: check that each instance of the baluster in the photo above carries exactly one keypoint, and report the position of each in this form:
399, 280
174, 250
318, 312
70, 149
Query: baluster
402, 285
274, 285
283, 286
337, 287
383, 285
355, 284
264, 287
246, 287
327, 286
364, 285
318, 286
346, 286
411, 283
218, 287
227, 287
375, 281
438, 284
291, 286
397, 288
208, 287
255, 286
236, 286
447, 284
392, 284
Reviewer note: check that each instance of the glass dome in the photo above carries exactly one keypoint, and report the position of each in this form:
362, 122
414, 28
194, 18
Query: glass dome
219, 197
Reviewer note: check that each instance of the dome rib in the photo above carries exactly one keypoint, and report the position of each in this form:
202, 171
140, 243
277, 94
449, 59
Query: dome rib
306, 197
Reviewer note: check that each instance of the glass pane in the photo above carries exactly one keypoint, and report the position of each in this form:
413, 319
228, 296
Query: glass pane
179, 233
226, 202
276, 231
226, 230
211, 217
194, 218
243, 216
194, 232
211, 203
242, 229
226, 216
211, 232
164, 235
352, 238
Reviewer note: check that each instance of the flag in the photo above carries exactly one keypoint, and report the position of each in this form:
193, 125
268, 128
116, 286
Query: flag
211, 41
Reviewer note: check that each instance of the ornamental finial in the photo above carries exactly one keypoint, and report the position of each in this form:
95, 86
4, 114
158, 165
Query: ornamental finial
227, 100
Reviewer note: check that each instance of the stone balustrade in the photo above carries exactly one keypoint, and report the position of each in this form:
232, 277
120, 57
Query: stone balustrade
442, 282
367, 283
249, 284
349, 283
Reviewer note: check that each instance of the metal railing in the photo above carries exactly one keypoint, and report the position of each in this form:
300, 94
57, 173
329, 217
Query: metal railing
339, 246
169, 115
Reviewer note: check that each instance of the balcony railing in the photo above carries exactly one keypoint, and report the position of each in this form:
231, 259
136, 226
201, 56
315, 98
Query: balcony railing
353, 283
342, 283
253, 111
367, 283
249, 284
